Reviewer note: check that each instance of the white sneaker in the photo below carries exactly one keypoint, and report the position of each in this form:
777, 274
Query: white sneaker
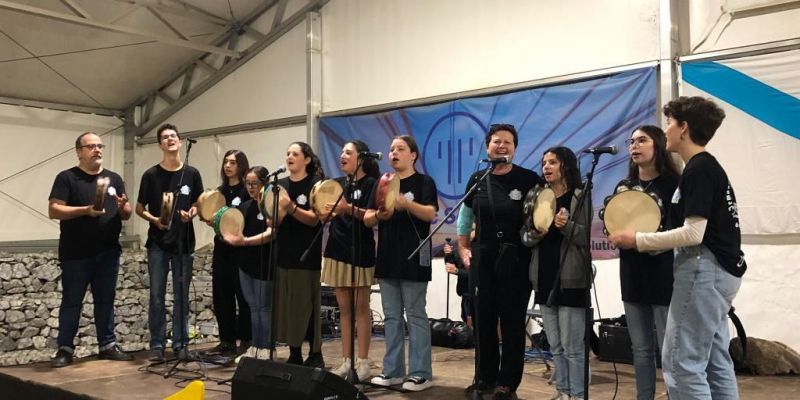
416, 384
250, 352
342, 370
363, 369
383, 380
262, 354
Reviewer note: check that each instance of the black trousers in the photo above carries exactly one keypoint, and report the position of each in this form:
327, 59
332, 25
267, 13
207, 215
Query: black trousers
227, 294
503, 291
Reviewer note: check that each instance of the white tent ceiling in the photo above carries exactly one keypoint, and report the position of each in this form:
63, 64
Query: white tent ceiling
113, 63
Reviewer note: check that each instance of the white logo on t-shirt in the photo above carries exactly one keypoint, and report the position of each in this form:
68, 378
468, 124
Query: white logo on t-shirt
236, 201
302, 200
260, 217
676, 197
515, 194
357, 194
112, 191
185, 190
409, 196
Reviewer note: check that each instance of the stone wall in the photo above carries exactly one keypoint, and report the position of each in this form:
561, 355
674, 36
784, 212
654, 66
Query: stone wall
30, 296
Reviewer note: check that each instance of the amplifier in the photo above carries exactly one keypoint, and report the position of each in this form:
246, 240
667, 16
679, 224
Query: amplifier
615, 345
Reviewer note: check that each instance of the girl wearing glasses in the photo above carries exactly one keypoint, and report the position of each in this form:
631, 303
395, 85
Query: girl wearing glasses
646, 279
252, 255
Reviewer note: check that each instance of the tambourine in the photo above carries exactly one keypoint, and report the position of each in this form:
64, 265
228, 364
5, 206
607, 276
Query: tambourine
324, 192
388, 190
539, 208
209, 202
631, 208
167, 199
228, 221
101, 186
265, 204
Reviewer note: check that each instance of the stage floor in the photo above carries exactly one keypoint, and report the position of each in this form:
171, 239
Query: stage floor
452, 371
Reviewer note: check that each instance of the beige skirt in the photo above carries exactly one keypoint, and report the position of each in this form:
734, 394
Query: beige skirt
339, 274
298, 305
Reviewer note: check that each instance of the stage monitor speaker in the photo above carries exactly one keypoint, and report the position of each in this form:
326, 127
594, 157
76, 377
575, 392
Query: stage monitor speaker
615, 345
265, 379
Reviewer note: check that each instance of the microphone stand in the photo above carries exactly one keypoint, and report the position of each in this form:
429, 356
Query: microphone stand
272, 264
551, 299
177, 271
474, 278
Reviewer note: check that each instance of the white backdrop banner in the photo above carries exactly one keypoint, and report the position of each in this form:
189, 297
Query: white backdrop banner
759, 141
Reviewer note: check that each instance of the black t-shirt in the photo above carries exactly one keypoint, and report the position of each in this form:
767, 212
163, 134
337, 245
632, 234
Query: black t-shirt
156, 181
85, 237
253, 260
705, 191
294, 237
340, 234
401, 234
646, 278
508, 193
235, 195
550, 260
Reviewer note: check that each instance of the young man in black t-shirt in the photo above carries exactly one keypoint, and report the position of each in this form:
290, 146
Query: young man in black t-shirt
171, 243
88, 246
709, 262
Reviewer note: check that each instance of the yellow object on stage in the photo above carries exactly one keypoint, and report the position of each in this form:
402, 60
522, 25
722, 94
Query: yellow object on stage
194, 391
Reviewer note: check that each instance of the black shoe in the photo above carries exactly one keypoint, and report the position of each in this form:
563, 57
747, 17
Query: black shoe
295, 359
62, 359
481, 387
182, 353
114, 353
156, 355
314, 360
223, 348
505, 393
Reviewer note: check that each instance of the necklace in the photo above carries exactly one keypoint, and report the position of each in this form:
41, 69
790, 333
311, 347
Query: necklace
649, 183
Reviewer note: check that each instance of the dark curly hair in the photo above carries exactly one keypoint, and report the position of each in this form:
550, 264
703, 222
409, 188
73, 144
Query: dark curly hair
702, 115
570, 171
314, 168
368, 165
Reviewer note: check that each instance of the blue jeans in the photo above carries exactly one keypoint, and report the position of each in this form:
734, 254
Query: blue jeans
258, 295
159, 262
641, 319
695, 360
397, 296
564, 327
99, 272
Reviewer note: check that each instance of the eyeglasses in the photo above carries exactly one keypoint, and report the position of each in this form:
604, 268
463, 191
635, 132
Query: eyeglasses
98, 146
169, 136
252, 184
641, 140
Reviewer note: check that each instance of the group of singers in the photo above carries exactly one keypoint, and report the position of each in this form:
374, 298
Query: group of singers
683, 296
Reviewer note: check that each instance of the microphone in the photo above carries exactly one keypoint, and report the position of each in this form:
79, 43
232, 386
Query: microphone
278, 171
192, 141
498, 160
366, 154
602, 150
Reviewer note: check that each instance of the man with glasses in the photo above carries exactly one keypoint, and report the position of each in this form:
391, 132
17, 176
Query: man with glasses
88, 247
171, 243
